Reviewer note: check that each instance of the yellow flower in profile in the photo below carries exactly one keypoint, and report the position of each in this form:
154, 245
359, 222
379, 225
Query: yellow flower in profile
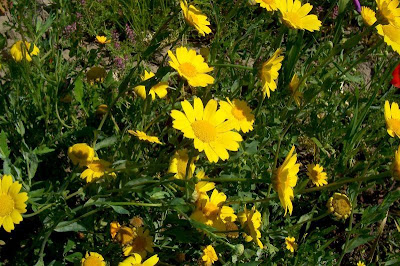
141, 244
286, 179
396, 165
81, 154
93, 259
340, 205
291, 243
209, 256
295, 15
191, 66
239, 113
251, 223
317, 175
208, 128
179, 162
360, 263
202, 187
368, 16
102, 39
114, 228
136, 260
12, 203
125, 235
389, 12
143, 136
294, 89
19, 51
269, 72
391, 36
270, 5
97, 169
392, 118
195, 18
160, 88
102, 109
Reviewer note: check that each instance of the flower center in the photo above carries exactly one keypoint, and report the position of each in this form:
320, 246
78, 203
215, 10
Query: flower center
204, 131
341, 206
92, 261
81, 154
394, 124
6, 205
139, 243
211, 211
238, 113
188, 70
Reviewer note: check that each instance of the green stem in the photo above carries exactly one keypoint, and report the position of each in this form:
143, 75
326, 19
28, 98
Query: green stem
129, 203
309, 220
232, 65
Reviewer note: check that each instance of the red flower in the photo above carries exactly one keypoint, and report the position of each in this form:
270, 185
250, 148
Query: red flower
396, 77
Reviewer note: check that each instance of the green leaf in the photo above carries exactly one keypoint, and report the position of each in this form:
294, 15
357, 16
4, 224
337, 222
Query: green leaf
42, 150
374, 214
78, 91
67, 226
106, 143
4, 151
74, 257
120, 210
360, 240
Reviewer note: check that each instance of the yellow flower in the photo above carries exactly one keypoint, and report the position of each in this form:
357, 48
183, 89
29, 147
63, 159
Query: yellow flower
125, 235
143, 136
160, 89
291, 243
340, 205
136, 260
239, 113
396, 165
209, 256
389, 13
251, 222
286, 179
392, 117
141, 244
191, 66
114, 228
97, 169
368, 16
294, 89
208, 128
102, 39
102, 109
270, 5
295, 15
136, 221
202, 187
195, 18
269, 72
317, 175
19, 51
391, 36
178, 164
360, 263
12, 203
93, 259
96, 75
81, 154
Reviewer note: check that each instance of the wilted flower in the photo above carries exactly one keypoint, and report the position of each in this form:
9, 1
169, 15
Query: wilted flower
291, 243
141, 244
340, 205
143, 136
96, 75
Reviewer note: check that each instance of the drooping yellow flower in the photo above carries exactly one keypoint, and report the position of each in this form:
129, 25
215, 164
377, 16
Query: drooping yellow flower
391, 36
209, 256
160, 88
12, 203
251, 223
195, 18
396, 165
136, 260
389, 12
114, 228
286, 179
295, 15
96, 75
141, 244
270, 5
191, 66
143, 136
269, 72
97, 169
360, 263
102, 39
392, 117
291, 243
239, 113
93, 259
317, 175
125, 235
81, 154
368, 16
102, 109
294, 89
202, 187
179, 162
208, 128
19, 51
340, 205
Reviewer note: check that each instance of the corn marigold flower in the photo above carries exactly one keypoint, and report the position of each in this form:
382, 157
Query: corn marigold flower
360, 263
125, 235
291, 244
269, 5
239, 113
102, 109
179, 163
136, 260
209, 256
159, 89
391, 36
389, 12
93, 259
19, 51
12, 203
143, 136
392, 118
97, 169
368, 16
114, 228
102, 39
294, 89
136, 221
270, 71
191, 66
81, 154
195, 18
286, 179
96, 75
340, 205
396, 77
208, 128
251, 222
202, 187
141, 244
317, 175
295, 15
396, 165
